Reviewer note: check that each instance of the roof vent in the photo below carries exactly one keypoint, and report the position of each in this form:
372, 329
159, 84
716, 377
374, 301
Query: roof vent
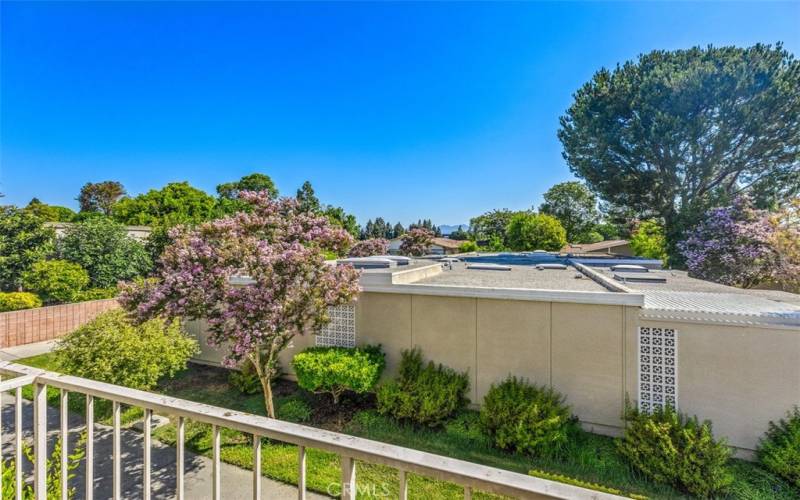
368, 263
540, 251
401, 260
489, 267
639, 277
629, 268
542, 267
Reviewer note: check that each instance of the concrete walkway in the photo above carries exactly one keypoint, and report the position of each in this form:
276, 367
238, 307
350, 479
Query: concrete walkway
236, 482
26, 351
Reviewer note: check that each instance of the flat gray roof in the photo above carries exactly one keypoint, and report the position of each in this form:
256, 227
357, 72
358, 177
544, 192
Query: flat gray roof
525, 277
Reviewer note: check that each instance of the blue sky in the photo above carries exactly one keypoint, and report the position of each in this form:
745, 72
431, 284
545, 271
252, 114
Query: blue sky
399, 110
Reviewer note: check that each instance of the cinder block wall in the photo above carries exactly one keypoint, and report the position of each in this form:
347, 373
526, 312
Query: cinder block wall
47, 323
738, 377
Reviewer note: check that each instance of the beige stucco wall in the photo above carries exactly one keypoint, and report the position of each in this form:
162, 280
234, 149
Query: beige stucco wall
738, 377
574, 347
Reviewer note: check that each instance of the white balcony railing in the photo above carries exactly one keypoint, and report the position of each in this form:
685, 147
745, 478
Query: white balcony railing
349, 448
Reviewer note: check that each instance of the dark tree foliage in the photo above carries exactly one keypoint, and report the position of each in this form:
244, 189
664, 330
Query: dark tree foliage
381, 229
676, 132
491, 226
228, 192
104, 249
574, 206
426, 224
307, 198
175, 203
252, 182
100, 196
24, 240
50, 213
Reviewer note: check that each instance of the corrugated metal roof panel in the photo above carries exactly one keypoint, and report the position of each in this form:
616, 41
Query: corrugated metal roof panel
728, 307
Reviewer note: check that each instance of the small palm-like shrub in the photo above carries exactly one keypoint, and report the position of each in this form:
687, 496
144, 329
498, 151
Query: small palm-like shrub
424, 394
56, 280
112, 349
245, 379
669, 447
779, 450
334, 370
16, 301
525, 417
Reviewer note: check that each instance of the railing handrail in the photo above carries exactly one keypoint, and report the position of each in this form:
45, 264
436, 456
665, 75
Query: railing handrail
465, 473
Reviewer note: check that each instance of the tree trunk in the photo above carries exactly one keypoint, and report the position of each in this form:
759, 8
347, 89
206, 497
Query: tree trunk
264, 376
266, 385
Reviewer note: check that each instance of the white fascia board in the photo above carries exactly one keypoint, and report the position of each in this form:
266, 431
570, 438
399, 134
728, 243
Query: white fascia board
577, 297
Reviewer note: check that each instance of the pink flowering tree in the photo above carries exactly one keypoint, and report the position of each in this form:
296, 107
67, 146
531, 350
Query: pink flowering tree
277, 250
416, 242
366, 248
733, 246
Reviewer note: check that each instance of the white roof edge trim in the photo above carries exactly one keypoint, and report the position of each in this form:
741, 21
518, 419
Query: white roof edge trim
578, 297
713, 319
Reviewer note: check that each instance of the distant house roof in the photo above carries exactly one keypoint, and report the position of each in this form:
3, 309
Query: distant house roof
442, 242
447, 242
594, 247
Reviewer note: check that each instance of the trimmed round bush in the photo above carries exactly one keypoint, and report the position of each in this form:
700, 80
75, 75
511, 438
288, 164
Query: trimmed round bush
779, 450
112, 349
294, 410
526, 417
668, 447
16, 301
56, 281
334, 370
426, 395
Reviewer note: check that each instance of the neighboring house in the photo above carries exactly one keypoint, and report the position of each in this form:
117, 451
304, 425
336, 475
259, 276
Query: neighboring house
439, 246
609, 247
138, 232
598, 335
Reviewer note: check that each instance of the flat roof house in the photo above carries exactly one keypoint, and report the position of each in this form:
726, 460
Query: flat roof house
439, 246
597, 330
608, 247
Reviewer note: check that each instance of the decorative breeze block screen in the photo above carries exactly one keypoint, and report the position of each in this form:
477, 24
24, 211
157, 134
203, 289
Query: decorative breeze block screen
658, 368
341, 331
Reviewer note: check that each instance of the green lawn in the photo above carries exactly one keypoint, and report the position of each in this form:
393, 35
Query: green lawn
593, 458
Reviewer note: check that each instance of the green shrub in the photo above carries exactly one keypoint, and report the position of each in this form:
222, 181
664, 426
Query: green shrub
526, 417
561, 478
334, 370
15, 301
294, 410
779, 450
112, 349
53, 467
56, 281
96, 294
669, 447
468, 246
104, 249
424, 394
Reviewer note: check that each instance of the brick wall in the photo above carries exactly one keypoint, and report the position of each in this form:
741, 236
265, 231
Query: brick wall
46, 323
